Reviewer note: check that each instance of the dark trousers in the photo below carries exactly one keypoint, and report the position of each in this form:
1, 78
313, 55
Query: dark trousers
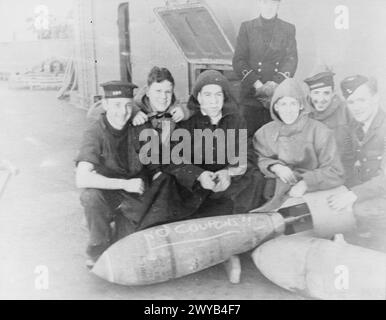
163, 202
101, 208
244, 194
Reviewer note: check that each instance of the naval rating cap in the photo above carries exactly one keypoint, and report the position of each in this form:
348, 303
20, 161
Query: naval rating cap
118, 89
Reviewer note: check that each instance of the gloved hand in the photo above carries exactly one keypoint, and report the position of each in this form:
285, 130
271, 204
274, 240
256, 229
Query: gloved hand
269, 88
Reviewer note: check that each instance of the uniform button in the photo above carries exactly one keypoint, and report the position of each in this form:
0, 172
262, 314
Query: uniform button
260, 64
276, 70
277, 63
258, 70
364, 159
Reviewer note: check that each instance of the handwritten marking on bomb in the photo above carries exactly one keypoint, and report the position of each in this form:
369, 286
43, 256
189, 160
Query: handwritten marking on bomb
134, 264
193, 240
195, 227
190, 227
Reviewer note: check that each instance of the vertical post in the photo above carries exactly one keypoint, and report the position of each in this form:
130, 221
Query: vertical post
85, 51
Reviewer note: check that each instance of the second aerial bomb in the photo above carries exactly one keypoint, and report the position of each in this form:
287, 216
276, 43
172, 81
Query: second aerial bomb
323, 269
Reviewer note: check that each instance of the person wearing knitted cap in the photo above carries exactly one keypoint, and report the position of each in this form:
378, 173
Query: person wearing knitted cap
230, 187
216, 111
299, 152
328, 108
265, 54
368, 195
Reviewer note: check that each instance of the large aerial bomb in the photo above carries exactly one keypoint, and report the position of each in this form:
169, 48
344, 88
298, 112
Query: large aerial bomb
173, 250
177, 249
323, 269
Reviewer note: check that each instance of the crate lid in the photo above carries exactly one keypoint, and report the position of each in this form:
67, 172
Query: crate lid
197, 33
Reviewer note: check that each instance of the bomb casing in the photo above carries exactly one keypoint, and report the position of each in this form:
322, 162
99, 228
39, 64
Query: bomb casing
323, 269
173, 250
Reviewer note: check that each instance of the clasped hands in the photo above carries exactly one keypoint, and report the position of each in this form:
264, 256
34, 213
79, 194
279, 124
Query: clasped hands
215, 181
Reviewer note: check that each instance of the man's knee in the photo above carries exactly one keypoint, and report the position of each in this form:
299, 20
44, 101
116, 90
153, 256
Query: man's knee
91, 197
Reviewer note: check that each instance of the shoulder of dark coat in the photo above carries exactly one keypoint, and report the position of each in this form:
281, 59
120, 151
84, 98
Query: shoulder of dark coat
286, 25
250, 22
250, 25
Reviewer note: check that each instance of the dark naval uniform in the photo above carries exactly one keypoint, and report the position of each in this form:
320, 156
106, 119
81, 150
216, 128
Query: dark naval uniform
265, 51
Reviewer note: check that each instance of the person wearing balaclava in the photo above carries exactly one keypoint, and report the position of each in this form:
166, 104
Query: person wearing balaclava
265, 54
297, 151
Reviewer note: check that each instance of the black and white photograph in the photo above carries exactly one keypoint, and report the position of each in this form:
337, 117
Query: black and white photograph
192, 150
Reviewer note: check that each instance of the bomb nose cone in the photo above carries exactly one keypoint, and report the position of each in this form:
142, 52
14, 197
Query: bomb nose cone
281, 260
103, 268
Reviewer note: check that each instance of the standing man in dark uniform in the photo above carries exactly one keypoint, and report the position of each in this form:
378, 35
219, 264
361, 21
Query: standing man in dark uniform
368, 195
265, 55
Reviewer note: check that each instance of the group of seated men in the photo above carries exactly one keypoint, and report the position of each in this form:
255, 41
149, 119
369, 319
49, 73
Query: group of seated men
315, 141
